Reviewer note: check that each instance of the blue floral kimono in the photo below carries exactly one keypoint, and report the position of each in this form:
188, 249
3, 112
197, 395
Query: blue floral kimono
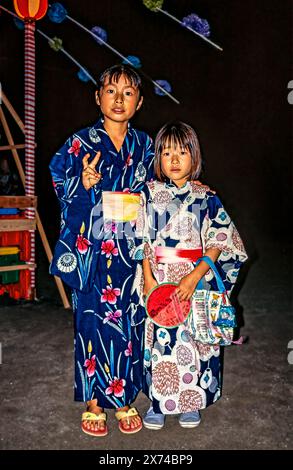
181, 374
92, 257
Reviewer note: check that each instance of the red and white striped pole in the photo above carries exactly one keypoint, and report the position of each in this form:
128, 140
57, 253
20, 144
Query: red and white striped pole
29, 119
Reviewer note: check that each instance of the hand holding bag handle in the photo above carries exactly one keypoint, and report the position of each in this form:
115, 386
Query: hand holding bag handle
212, 265
221, 290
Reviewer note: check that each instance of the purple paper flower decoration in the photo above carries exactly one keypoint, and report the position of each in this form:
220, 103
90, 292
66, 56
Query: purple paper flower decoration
153, 5
198, 24
57, 13
18, 23
83, 75
135, 61
163, 84
99, 33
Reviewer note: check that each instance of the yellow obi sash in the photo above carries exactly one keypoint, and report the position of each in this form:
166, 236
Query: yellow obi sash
120, 206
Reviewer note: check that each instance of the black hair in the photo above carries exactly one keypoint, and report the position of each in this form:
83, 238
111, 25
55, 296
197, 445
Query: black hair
178, 133
114, 73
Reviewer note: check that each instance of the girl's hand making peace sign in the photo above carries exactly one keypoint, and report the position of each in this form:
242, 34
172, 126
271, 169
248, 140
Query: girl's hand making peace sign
90, 176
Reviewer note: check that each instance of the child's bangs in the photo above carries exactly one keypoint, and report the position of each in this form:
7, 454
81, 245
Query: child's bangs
115, 76
175, 139
114, 73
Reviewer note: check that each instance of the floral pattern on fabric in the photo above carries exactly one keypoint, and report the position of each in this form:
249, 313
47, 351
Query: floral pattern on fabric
97, 265
181, 374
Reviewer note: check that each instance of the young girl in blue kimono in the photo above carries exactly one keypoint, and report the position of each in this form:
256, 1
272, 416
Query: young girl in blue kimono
92, 253
178, 222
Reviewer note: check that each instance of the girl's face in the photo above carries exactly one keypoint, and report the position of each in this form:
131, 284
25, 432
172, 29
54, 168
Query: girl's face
176, 163
118, 100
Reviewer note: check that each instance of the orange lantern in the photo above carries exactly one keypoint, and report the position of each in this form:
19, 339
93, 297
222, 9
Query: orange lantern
31, 9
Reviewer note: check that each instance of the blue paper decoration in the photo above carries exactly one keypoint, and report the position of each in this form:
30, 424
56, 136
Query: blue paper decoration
83, 75
99, 33
135, 61
198, 24
18, 23
164, 84
57, 13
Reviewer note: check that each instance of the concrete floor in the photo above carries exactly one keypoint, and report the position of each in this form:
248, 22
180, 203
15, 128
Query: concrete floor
255, 412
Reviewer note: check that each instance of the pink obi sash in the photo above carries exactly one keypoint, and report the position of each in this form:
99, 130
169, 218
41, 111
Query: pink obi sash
166, 254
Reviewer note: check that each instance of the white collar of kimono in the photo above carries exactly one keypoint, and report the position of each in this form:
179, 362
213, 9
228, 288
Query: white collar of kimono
175, 190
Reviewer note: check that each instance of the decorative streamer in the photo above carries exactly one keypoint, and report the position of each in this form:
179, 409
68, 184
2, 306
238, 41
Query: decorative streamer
101, 41
55, 44
192, 22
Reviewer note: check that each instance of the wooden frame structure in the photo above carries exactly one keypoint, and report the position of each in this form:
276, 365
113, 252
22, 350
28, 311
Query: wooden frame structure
23, 201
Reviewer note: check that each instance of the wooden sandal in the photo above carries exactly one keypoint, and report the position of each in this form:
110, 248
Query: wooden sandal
88, 416
128, 414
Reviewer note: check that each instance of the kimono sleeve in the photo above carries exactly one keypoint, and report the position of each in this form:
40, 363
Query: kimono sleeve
220, 232
75, 201
76, 253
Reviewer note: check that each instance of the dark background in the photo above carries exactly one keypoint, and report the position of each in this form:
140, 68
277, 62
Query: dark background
237, 102
236, 99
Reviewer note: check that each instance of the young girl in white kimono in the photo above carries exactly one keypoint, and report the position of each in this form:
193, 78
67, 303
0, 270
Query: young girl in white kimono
178, 222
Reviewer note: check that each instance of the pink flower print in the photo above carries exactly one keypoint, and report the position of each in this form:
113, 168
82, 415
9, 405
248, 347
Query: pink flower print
75, 148
114, 316
116, 387
90, 365
54, 184
108, 226
128, 351
82, 244
110, 295
108, 248
129, 161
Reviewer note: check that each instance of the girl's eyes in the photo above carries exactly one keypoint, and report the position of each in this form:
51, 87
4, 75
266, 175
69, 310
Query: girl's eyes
128, 93
168, 154
110, 90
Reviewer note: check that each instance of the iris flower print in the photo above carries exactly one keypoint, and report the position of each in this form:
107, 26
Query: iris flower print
128, 351
129, 160
82, 244
113, 316
90, 365
75, 147
116, 387
108, 248
110, 295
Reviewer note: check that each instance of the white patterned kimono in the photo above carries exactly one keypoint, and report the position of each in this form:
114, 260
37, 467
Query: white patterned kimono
181, 374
